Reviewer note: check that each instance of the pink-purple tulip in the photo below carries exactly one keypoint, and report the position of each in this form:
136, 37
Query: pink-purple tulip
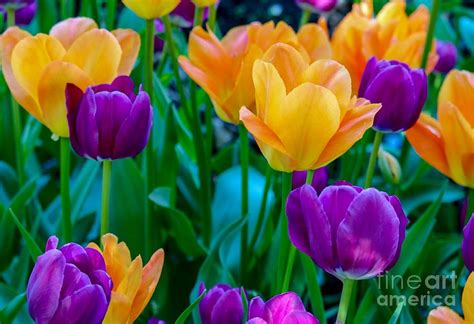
348, 231
319, 181
317, 5
468, 244
447, 54
221, 304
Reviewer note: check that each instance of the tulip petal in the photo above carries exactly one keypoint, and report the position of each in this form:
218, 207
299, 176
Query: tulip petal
257, 320
117, 258
444, 315
300, 317
151, 9
278, 307
74, 279
96, 259
207, 304
98, 53
52, 243
75, 254
86, 127
228, 309
119, 309
68, 30
236, 40
458, 88
101, 278
315, 41
130, 42
256, 307
397, 206
468, 299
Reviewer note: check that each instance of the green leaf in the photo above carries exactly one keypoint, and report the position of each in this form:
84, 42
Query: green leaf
33, 248
9, 312
184, 316
396, 314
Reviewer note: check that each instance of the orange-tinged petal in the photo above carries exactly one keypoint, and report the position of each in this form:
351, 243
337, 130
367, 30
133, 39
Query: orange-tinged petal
419, 19
118, 310
458, 88
236, 40
151, 9
150, 277
129, 42
117, 257
67, 31
409, 50
468, 299
52, 93
444, 315
315, 41
97, 52
268, 34
355, 123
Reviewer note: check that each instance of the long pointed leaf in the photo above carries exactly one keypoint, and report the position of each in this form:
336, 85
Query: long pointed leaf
33, 248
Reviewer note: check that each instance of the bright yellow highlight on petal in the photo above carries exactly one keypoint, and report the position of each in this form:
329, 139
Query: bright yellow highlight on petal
391, 35
151, 9
37, 68
223, 68
305, 117
444, 315
448, 143
204, 3
133, 283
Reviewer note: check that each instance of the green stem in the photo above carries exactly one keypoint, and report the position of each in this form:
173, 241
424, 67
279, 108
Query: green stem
111, 11
305, 16
106, 176
244, 163
315, 295
309, 177
65, 196
263, 205
373, 159
10, 16
348, 285
211, 21
64, 10
198, 16
430, 33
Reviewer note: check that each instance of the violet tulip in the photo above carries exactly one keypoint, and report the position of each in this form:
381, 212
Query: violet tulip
282, 309
316, 5
25, 10
319, 181
447, 53
69, 285
401, 90
221, 304
468, 244
349, 232
109, 121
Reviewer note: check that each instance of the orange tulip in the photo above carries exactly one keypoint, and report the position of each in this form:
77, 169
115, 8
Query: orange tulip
224, 68
391, 35
37, 68
305, 117
448, 144
444, 315
133, 284
151, 9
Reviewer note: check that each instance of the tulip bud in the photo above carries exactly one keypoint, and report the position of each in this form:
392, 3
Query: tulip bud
151, 9
468, 244
319, 182
109, 121
316, 5
389, 166
68, 285
222, 304
25, 10
154, 320
401, 90
347, 231
447, 53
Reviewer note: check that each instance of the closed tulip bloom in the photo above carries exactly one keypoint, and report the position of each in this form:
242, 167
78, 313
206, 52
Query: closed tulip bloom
68, 285
204, 3
468, 244
151, 9
37, 68
154, 320
447, 143
402, 91
133, 283
319, 181
109, 121
305, 117
285, 308
221, 304
349, 232
223, 68
447, 53
317, 5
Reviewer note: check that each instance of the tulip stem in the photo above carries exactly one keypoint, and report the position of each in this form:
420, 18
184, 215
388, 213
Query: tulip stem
373, 159
65, 196
348, 285
198, 16
305, 16
309, 177
111, 10
244, 164
106, 176
212, 17
430, 33
10, 16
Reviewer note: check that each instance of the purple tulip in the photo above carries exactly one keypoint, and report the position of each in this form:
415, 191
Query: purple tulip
347, 231
221, 304
109, 121
317, 5
25, 10
319, 182
68, 285
154, 320
447, 53
468, 244
286, 308
401, 90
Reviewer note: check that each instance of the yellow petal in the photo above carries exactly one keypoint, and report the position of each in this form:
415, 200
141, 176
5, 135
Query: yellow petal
129, 41
97, 52
458, 88
151, 9
131, 281
419, 19
315, 41
409, 50
117, 258
444, 315
468, 299
236, 40
118, 310
52, 97
67, 31
268, 34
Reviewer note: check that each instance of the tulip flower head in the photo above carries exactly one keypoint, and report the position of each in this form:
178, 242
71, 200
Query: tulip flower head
447, 53
468, 244
151, 9
305, 117
221, 304
37, 68
69, 285
402, 91
109, 121
133, 283
319, 181
317, 5
283, 308
25, 10
447, 143
349, 232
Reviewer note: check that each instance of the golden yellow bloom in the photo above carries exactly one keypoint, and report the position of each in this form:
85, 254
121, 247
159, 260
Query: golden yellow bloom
204, 3
391, 35
37, 68
448, 143
305, 116
444, 315
223, 68
133, 284
151, 9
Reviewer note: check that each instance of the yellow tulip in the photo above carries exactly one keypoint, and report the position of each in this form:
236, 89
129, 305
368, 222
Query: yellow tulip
391, 35
133, 284
305, 117
444, 315
204, 3
151, 9
448, 144
223, 68
37, 68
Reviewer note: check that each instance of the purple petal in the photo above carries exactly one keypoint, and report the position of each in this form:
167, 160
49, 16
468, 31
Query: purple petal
101, 278
319, 182
125, 84
96, 259
74, 279
367, 238
86, 126
208, 302
278, 307
44, 285
25, 15
256, 320
420, 84
367, 75
76, 254
447, 53
300, 317
52, 243
228, 309
468, 244
73, 99
256, 307
397, 206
